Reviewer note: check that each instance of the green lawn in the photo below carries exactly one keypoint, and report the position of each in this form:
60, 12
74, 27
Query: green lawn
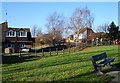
68, 67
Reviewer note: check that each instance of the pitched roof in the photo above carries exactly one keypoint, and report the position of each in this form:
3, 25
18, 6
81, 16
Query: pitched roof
5, 26
17, 29
84, 29
91, 34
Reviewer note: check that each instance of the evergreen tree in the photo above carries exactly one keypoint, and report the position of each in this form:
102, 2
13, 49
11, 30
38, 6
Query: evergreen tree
113, 32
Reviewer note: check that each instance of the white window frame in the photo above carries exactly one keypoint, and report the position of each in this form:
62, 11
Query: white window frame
10, 33
20, 33
22, 45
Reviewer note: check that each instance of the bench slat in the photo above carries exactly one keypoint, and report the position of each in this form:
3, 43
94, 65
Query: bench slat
105, 62
99, 56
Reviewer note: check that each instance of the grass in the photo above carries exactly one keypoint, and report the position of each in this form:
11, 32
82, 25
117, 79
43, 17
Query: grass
68, 67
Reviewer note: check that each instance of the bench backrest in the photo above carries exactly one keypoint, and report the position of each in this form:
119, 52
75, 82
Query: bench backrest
99, 57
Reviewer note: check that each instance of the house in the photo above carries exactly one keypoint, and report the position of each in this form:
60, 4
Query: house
15, 38
0, 39
70, 38
85, 34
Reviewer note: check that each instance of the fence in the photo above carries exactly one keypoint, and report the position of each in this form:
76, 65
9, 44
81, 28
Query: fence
51, 51
36, 53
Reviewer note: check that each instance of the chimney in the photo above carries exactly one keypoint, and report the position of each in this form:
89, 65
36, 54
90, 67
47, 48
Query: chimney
5, 25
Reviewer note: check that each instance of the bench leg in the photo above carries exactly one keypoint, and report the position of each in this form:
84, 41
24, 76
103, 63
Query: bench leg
99, 72
110, 65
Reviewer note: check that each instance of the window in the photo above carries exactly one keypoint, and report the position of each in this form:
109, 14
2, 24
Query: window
10, 33
9, 45
22, 45
21, 33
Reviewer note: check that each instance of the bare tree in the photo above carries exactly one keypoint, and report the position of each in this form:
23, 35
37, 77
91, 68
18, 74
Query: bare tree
46, 39
55, 25
36, 33
34, 30
67, 30
39, 32
39, 35
80, 19
103, 28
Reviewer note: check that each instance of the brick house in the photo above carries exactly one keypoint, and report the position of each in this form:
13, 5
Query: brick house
84, 34
15, 38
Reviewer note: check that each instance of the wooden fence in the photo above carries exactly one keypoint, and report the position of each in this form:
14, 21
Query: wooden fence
49, 53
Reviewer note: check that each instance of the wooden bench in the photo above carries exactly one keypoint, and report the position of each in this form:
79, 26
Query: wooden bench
101, 60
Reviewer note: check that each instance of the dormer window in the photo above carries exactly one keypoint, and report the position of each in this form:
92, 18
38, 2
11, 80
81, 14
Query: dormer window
21, 33
10, 33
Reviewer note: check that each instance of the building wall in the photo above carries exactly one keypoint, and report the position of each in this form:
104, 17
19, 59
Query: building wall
85, 34
0, 38
16, 39
14, 42
3, 26
81, 36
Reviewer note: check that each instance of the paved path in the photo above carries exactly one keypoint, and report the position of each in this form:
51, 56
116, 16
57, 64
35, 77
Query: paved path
115, 72
116, 75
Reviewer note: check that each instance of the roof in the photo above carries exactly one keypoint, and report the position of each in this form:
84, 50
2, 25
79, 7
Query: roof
5, 26
84, 29
4, 23
91, 34
17, 29
101, 34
